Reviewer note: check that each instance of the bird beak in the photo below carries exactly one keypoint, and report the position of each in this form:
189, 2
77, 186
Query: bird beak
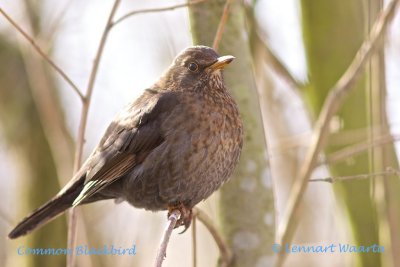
221, 62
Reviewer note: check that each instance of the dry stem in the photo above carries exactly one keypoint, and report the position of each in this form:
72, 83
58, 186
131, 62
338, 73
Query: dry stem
153, 10
226, 253
390, 171
333, 102
358, 148
275, 63
221, 25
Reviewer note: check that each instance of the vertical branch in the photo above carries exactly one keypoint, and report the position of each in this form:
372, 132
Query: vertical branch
82, 126
88, 96
221, 25
386, 191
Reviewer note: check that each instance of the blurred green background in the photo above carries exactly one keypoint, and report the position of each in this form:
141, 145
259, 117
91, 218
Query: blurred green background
289, 54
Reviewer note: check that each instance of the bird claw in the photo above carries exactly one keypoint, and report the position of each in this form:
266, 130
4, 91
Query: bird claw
186, 223
185, 219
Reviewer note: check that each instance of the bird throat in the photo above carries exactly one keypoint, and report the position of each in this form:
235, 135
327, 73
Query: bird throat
216, 80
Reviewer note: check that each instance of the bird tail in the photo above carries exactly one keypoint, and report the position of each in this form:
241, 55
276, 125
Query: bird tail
49, 210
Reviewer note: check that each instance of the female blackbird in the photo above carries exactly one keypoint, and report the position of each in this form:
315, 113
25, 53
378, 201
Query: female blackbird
171, 148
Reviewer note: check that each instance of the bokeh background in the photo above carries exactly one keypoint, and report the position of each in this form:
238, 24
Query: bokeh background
289, 55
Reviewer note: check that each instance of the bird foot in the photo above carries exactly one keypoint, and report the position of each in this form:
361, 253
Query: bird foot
186, 216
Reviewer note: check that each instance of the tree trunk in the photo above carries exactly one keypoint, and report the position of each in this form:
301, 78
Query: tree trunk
246, 203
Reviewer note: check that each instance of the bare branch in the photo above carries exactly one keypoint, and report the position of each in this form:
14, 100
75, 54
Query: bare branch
389, 172
221, 25
359, 148
153, 10
89, 91
277, 66
226, 253
55, 24
83, 124
162, 250
333, 102
43, 54
72, 232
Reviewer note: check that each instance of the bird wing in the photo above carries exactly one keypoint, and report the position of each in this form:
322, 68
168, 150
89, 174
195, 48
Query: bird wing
132, 135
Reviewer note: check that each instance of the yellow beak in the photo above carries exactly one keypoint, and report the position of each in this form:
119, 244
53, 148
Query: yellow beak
221, 62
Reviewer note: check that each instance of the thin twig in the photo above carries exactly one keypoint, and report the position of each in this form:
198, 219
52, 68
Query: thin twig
277, 66
390, 171
162, 250
83, 124
55, 24
359, 148
43, 54
221, 25
333, 102
88, 96
194, 241
226, 253
92, 79
153, 10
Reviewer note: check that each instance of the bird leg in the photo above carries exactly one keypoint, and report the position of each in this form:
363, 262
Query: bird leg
185, 218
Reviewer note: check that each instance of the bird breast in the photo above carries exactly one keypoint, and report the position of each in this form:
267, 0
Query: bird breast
207, 144
203, 140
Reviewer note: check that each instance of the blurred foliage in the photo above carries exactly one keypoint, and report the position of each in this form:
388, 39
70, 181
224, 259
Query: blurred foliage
333, 32
22, 128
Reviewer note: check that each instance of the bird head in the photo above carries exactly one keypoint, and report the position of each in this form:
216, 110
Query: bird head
194, 67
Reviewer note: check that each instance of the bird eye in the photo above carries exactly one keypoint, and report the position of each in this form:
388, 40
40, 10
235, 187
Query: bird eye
193, 66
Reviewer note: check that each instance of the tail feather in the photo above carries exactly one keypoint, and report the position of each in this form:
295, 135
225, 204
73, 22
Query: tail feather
49, 210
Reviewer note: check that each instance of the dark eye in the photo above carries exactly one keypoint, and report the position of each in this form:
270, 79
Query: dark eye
193, 67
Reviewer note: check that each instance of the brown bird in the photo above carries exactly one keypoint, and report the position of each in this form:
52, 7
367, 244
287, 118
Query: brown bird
170, 149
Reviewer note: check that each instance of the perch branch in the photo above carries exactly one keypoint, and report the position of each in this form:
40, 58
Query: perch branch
321, 130
226, 253
162, 250
153, 10
43, 54
388, 172
194, 241
221, 25
83, 124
